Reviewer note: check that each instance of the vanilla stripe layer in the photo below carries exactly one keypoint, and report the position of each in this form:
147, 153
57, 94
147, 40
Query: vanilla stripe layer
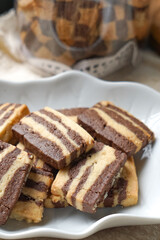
19, 162
21, 146
62, 129
39, 178
70, 124
35, 194
130, 120
124, 131
39, 163
39, 128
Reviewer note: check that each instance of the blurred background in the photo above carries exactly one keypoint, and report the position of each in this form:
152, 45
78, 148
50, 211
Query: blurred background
5, 5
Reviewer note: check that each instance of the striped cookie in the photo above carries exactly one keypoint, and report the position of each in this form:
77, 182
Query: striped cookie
84, 185
29, 206
125, 190
10, 114
114, 126
72, 113
53, 137
14, 168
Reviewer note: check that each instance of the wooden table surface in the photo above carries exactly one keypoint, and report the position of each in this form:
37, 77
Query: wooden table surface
148, 72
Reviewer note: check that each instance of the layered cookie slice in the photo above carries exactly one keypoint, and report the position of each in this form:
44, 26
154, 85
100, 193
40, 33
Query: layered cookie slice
10, 114
30, 205
125, 190
53, 137
14, 168
86, 183
116, 127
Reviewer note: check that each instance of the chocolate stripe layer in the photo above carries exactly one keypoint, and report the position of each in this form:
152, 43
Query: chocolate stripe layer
99, 130
121, 184
7, 161
119, 119
72, 111
24, 198
71, 133
41, 172
39, 186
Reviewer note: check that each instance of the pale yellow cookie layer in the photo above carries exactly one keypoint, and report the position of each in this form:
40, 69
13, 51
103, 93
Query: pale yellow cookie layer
29, 211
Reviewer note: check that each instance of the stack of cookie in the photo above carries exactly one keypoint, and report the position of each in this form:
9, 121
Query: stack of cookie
69, 31
72, 157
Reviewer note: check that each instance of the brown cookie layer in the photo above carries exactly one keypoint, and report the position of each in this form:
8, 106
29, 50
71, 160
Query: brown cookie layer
72, 113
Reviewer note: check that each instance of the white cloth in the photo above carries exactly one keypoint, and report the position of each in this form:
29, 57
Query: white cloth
13, 64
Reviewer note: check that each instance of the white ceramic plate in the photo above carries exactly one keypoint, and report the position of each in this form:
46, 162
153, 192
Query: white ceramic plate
74, 89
